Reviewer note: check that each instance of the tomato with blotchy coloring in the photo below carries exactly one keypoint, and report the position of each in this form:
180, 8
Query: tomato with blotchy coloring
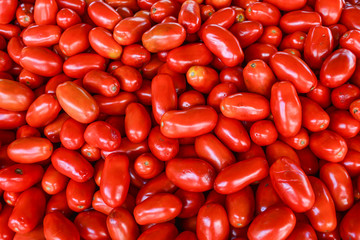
45, 12
121, 224
53, 182
77, 200
265, 13
130, 30
57, 226
15, 96
137, 122
349, 226
103, 15
212, 222
240, 207
189, 16
77, 102
330, 11
102, 41
102, 135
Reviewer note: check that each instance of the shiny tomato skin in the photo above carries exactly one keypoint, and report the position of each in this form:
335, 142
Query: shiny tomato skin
351, 40
52, 130
41, 35
299, 21
19, 177
343, 96
158, 208
344, 124
164, 9
286, 6
189, 16
265, 13
121, 224
27, 131
299, 141
79, 65
322, 215
349, 226
72, 164
53, 182
45, 12
103, 15
321, 95
115, 105
245, 106
224, 17
188, 123
137, 122
265, 196
263, 132
129, 78
9, 30
223, 44
337, 68
102, 135
280, 149
75, 39
147, 166
202, 78
30, 150
15, 96
297, 194
92, 225
115, 180
77, 102
191, 174
67, 17
6, 232
338, 181
290, 68
283, 94
57, 226
335, 148
130, 30
77, 200
264, 227
190, 99
28, 211
162, 147
239, 175
7, 12
330, 12
212, 222
72, 134
41, 61
295, 40
11, 119
351, 162
100, 82
161, 231
219, 92
271, 35
260, 51
163, 37
247, 32
36, 233
191, 201
314, 118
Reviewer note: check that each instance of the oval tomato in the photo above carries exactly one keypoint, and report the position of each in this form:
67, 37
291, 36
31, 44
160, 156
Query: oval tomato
217, 227
45, 12
299, 21
137, 122
77, 200
102, 135
330, 11
349, 226
92, 225
121, 225
103, 15
57, 226
15, 96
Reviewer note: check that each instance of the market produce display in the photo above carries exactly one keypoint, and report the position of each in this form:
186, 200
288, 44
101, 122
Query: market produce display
179, 119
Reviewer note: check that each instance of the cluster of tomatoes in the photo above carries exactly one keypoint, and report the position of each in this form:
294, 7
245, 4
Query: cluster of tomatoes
179, 119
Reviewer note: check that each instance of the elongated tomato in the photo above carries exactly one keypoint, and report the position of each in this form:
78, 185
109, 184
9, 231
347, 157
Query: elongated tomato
15, 96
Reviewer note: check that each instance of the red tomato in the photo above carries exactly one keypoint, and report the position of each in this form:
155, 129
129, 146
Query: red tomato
189, 16
190, 99
53, 182
224, 17
135, 55
77, 200
349, 226
92, 225
6, 232
57, 226
162, 147
330, 11
192, 201
186, 235
247, 32
147, 166
314, 118
239, 175
295, 40
344, 124
212, 222
351, 40
299, 21
75, 39
103, 15
15, 96
191, 174
72, 134
219, 92
279, 149
41, 35
263, 132
303, 231
265, 13
102, 135
266, 196
130, 30
36, 233
286, 6
52, 130
344, 95
161, 231
121, 225
137, 122
321, 95
275, 223
355, 109
115, 105
129, 78
164, 9
271, 35
66, 18
45, 12
7, 11
79, 65
101, 82
202, 78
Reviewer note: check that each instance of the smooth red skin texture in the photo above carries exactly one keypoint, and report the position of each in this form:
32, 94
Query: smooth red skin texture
161, 231
240, 207
115, 105
30, 150
101, 40
58, 203
287, 67
292, 185
284, 96
265, 13
41, 61
162, 10
264, 225
19, 177
224, 17
286, 6
299, 21
188, 123
133, 150
189, 16
72, 134
351, 163
102, 135
11, 120
279, 149
190, 99
233, 75
338, 181
77, 102
303, 231
92, 225
260, 51
76, 5
247, 32
162, 147
191, 201
335, 148
299, 141
36, 233
211, 149
245, 106
58, 227
15, 96
67, 17
349, 226
163, 37
271, 35
351, 41
75, 39
28, 211
295, 40
265, 196
80, 200
99, 205
158, 208
314, 118
343, 96
321, 95
212, 222
31, 80
72, 164
191, 174
349, 16
53, 182
318, 46
100, 82
258, 77
344, 124
186, 235
223, 44
130, 30
178, 79
147, 166
41, 35
354, 109
11, 197
79, 65
121, 225
330, 12
52, 130
182, 58
129, 78
239, 175
337, 68
9, 30
53, 82
263, 132
202, 78
5, 62
103, 15
45, 12
322, 215
144, 93
219, 92
43, 110
6, 232
137, 122
7, 12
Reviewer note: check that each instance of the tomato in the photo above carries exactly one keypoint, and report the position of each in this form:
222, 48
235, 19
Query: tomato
77, 102
135, 56
115, 105
186, 235
72, 134
137, 122
6, 232
78, 65
351, 41
129, 78
41, 35
279, 149
264, 225
299, 141
66, 18
299, 21
178, 79
189, 16
191, 201
19, 177
322, 215
223, 44
290, 68
265, 13
295, 40
191, 174
190, 99
77, 200
164, 9
53, 182
263, 132
115, 180
202, 78
335, 148
7, 12
224, 17
354, 109
121, 225
247, 32
163, 37
72, 164
101, 82
239, 175
15, 96
314, 118
330, 11
212, 222
266, 196
342, 96
147, 166
338, 68
102, 135
9, 30
36, 233
321, 95
103, 15
130, 30
161, 231
286, 6
45, 12
344, 124
52, 130
75, 39
57, 226
92, 225
284, 96
303, 231
188, 123
219, 92
349, 226
28, 211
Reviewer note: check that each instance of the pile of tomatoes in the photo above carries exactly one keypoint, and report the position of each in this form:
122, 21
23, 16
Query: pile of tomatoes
179, 119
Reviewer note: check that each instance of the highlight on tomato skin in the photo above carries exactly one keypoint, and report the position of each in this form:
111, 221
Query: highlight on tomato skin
179, 119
